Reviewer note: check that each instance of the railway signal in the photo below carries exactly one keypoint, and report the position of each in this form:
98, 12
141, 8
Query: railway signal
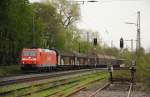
121, 43
95, 41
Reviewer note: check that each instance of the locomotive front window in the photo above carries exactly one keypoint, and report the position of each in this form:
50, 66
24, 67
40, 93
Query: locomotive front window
29, 53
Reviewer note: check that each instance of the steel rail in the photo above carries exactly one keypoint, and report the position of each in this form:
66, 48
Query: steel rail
62, 81
130, 89
100, 89
78, 89
75, 81
22, 79
49, 86
53, 86
70, 95
106, 85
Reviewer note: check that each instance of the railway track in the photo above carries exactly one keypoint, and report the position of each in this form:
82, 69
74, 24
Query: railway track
108, 90
99, 90
130, 90
112, 90
33, 77
33, 86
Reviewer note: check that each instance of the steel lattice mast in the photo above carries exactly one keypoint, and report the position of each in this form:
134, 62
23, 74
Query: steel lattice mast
138, 44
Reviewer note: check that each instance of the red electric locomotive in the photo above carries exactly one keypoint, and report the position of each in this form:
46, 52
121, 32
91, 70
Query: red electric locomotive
38, 59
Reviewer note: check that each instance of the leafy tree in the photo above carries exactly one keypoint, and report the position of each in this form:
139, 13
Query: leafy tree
68, 10
52, 29
16, 29
58, 23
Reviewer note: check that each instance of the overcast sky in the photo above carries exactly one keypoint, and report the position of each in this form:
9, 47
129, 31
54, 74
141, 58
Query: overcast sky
108, 17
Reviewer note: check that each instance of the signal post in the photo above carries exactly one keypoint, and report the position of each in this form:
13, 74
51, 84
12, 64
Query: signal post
95, 44
133, 61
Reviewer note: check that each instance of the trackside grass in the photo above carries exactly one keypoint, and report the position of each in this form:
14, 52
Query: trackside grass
38, 83
67, 89
50, 87
9, 70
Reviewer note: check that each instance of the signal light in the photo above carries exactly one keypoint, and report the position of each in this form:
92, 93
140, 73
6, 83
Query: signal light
121, 43
95, 41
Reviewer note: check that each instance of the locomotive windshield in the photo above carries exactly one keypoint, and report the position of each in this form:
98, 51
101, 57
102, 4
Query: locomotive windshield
29, 53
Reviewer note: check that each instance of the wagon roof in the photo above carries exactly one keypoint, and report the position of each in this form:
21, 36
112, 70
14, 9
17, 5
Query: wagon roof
81, 55
105, 56
68, 54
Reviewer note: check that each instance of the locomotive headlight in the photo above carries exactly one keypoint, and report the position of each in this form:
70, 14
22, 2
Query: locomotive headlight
34, 59
23, 59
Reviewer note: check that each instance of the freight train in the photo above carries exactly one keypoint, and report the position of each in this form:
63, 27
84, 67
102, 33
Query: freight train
45, 59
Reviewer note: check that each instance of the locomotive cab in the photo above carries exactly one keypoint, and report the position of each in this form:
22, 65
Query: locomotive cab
29, 58
38, 59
